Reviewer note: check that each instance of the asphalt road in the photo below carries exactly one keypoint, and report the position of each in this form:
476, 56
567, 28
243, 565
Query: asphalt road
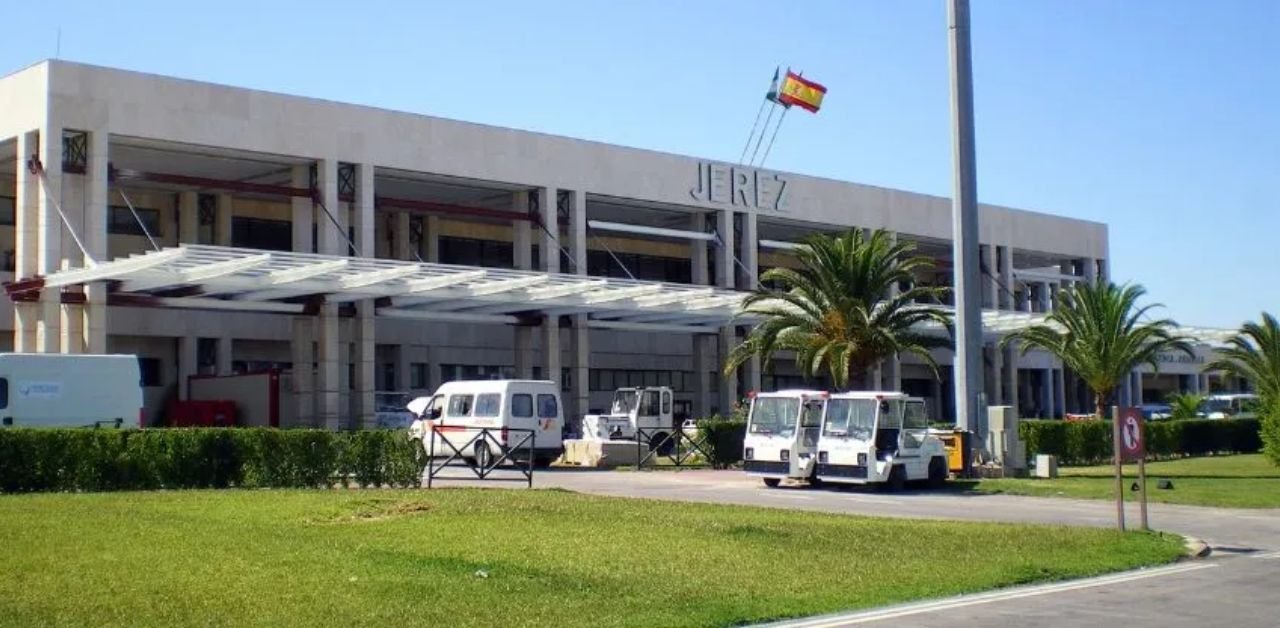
1237, 586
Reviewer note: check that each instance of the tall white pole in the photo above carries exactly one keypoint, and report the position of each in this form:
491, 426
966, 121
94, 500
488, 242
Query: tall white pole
964, 212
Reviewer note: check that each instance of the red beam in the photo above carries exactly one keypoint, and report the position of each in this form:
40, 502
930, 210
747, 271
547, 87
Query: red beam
24, 289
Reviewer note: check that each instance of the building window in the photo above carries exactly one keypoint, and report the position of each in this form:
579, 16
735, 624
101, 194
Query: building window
149, 369
613, 379
473, 252
261, 233
120, 221
466, 372
418, 375
647, 267
8, 211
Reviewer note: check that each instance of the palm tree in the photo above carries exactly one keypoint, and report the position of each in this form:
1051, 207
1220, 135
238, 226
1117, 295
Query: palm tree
1099, 332
838, 311
1185, 405
1254, 354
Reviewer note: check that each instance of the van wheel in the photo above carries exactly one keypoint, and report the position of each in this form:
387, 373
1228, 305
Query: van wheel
937, 473
542, 462
772, 482
815, 481
897, 480
483, 456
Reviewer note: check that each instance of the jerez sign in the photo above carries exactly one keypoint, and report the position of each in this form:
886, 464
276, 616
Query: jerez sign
740, 187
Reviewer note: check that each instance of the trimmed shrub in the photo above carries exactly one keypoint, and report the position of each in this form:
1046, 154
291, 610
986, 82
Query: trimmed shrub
110, 459
724, 438
1089, 442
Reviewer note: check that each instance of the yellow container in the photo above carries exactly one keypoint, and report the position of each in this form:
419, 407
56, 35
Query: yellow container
953, 442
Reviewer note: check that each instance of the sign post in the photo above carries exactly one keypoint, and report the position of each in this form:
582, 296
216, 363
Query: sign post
1133, 445
1118, 458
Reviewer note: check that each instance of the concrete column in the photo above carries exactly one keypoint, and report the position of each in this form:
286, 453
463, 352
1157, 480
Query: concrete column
304, 375
188, 363
935, 403
403, 380
365, 330
403, 238
333, 240
1046, 296
749, 254
431, 237
726, 273
996, 397
704, 362
188, 217
94, 330
551, 348
726, 262
550, 242
1059, 386
222, 220
1005, 255
522, 232
1046, 394
990, 279
1011, 390
580, 345
1090, 270
1137, 388
49, 237
303, 214
365, 364
704, 350
728, 383
328, 367
26, 242
224, 355
522, 251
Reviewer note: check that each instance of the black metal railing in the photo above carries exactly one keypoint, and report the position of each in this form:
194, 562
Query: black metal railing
492, 449
681, 449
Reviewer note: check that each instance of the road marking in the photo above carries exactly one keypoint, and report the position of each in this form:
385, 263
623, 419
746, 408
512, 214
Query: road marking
1268, 556
894, 612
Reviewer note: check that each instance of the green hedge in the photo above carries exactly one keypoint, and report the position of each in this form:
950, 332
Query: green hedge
724, 438
1089, 442
110, 459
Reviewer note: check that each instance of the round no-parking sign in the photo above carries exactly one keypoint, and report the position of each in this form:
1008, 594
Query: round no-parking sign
1132, 446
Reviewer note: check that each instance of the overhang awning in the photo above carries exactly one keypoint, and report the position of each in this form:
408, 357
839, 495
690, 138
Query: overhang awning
224, 278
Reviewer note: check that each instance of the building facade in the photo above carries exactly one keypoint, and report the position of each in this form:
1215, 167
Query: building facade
100, 164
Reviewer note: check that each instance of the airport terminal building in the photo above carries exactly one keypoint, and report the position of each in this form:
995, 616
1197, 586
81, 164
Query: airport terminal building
214, 230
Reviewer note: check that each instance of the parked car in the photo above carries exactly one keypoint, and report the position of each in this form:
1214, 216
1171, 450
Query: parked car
1156, 411
1233, 406
458, 410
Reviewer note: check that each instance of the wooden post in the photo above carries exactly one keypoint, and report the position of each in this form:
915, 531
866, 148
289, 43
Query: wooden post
1116, 444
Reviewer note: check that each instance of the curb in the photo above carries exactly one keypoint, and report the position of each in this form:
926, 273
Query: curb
1196, 548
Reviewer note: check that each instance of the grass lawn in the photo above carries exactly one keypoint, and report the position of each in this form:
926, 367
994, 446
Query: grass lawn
498, 557
1241, 481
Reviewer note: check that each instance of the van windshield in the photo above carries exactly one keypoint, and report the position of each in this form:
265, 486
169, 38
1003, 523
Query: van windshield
850, 417
624, 401
774, 416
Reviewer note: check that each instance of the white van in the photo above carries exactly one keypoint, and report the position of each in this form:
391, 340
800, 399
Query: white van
514, 404
57, 390
879, 438
782, 435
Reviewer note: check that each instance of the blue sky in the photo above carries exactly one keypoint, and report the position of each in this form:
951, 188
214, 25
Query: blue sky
1158, 117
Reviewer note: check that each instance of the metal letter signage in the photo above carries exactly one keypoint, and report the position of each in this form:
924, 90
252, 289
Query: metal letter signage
740, 187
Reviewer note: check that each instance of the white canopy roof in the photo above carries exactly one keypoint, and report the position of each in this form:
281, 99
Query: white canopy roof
215, 277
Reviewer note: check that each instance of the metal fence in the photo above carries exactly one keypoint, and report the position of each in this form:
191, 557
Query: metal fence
676, 446
489, 449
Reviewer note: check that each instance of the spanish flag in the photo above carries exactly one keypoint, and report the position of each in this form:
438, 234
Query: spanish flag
796, 90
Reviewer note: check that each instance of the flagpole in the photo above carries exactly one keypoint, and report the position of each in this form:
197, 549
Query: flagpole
773, 137
754, 125
760, 139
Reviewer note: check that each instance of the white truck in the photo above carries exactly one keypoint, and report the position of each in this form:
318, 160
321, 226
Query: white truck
59, 390
646, 410
782, 435
878, 438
